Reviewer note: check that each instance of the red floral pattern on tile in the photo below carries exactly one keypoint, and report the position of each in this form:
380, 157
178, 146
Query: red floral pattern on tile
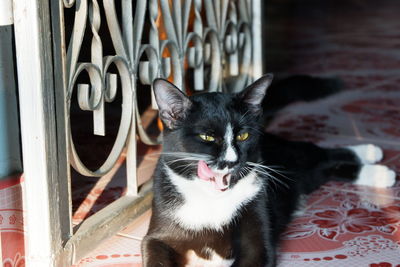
350, 216
382, 121
13, 219
11, 223
379, 102
17, 261
355, 220
392, 214
309, 127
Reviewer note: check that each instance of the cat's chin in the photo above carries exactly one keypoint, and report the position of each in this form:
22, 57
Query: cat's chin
221, 182
210, 186
220, 179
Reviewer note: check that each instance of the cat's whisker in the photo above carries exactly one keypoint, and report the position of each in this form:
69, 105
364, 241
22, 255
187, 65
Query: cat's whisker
269, 168
278, 169
184, 167
181, 159
271, 177
190, 159
186, 154
257, 130
268, 184
187, 166
263, 170
184, 158
186, 170
243, 117
242, 172
247, 169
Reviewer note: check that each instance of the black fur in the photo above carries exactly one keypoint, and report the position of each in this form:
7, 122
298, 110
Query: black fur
298, 88
251, 238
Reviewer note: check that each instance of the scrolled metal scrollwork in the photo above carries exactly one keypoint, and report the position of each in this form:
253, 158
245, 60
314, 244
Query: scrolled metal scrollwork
211, 38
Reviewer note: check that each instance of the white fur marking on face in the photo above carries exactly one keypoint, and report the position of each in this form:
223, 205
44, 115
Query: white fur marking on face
230, 153
376, 175
368, 154
215, 261
205, 207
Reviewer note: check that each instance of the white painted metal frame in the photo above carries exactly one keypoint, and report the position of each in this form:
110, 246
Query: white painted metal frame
46, 223
224, 41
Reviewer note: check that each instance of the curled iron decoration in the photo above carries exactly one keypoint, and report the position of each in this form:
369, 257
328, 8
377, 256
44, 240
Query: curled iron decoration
212, 36
102, 87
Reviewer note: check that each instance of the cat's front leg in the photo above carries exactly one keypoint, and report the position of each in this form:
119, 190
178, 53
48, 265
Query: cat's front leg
254, 246
256, 256
157, 253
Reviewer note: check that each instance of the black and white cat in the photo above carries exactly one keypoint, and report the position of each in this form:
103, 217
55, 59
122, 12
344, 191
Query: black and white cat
217, 196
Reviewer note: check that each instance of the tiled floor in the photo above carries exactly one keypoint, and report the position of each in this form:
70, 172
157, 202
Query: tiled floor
343, 224
12, 232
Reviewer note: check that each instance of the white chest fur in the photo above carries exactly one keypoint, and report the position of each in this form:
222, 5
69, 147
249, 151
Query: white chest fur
205, 207
215, 260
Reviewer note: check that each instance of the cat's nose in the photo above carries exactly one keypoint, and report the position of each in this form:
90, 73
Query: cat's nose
229, 164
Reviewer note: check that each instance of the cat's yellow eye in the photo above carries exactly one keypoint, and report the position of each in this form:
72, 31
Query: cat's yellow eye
207, 137
242, 136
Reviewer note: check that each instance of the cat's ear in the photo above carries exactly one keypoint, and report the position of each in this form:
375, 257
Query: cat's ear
254, 94
172, 103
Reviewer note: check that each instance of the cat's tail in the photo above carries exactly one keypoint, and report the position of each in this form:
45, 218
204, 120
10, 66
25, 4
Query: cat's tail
299, 88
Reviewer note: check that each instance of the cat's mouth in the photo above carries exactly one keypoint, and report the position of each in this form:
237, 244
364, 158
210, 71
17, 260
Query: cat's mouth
220, 179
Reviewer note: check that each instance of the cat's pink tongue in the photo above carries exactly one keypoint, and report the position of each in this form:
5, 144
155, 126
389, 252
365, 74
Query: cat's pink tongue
203, 171
221, 182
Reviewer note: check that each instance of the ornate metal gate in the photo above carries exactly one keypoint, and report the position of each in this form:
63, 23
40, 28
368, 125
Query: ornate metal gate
217, 42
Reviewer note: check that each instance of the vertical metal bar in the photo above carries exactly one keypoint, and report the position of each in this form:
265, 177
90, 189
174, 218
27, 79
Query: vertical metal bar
131, 157
256, 27
177, 21
62, 125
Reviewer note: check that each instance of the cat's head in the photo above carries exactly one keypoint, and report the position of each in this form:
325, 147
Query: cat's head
211, 136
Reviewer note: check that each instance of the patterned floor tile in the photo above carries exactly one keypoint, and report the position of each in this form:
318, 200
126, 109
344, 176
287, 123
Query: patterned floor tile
12, 232
139, 227
343, 229
117, 252
353, 114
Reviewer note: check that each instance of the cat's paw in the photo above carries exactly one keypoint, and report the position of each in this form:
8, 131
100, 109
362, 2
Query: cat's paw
376, 175
367, 154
